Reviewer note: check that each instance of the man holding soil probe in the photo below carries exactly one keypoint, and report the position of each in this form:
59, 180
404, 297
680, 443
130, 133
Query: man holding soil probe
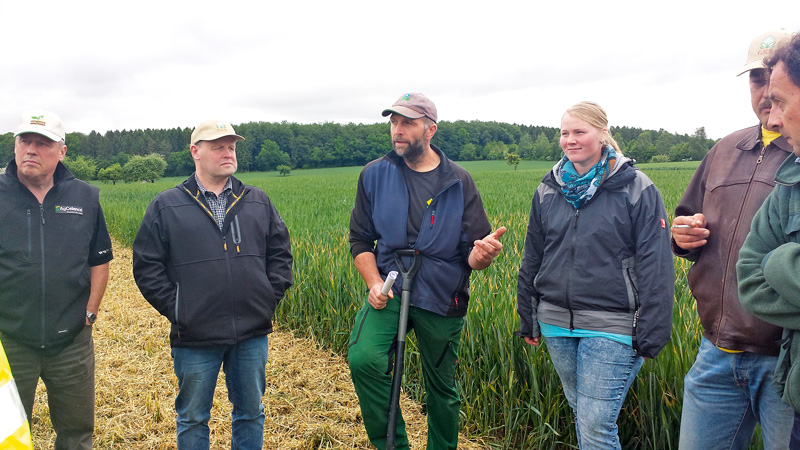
213, 256
415, 198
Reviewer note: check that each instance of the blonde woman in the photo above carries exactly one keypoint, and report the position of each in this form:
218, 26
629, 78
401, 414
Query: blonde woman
597, 277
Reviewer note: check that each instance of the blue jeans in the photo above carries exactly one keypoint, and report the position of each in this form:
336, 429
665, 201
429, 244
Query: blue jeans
794, 443
197, 369
725, 395
595, 374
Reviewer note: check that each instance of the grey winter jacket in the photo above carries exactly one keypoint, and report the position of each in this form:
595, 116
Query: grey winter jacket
605, 267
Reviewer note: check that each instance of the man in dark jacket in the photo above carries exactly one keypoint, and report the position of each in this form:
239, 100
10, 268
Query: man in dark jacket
414, 197
54, 259
213, 256
728, 389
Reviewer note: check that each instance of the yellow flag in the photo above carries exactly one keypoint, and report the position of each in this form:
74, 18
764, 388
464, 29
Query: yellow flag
14, 431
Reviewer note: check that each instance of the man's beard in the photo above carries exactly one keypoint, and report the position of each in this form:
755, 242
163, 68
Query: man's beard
413, 152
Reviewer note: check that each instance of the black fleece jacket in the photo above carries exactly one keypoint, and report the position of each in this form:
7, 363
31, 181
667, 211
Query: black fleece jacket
215, 287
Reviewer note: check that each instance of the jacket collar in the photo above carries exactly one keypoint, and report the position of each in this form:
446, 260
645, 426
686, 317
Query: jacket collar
789, 172
621, 167
447, 174
238, 191
752, 139
191, 185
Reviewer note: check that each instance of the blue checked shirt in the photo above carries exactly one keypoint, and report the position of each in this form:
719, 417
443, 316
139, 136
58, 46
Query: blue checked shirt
217, 203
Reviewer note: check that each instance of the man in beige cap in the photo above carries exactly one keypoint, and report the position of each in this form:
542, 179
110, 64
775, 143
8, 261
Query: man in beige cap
728, 390
213, 256
54, 260
768, 262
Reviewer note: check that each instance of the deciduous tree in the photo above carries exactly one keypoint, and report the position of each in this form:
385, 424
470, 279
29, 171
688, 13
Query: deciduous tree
144, 168
512, 159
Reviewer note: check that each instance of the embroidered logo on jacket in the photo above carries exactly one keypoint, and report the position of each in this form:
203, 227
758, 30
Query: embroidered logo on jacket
69, 210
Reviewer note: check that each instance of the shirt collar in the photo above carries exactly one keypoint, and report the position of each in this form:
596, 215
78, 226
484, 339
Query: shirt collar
228, 185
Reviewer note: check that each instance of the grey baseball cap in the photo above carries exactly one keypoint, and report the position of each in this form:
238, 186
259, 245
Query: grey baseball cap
413, 105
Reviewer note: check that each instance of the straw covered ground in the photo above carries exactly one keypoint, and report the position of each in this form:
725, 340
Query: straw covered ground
309, 404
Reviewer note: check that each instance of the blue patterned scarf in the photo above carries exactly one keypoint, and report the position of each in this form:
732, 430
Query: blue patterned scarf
579, 189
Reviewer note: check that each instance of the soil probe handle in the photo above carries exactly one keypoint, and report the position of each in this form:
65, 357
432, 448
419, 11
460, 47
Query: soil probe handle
387, 285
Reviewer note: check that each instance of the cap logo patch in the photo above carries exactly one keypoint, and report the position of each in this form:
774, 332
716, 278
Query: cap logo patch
406, 97
769, 43
221, 126
37, 120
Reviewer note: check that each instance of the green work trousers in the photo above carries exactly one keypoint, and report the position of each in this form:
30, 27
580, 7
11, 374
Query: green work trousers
371, 358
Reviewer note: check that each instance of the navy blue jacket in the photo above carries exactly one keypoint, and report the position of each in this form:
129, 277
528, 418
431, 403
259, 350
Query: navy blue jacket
452, 222
605, 267
215, 287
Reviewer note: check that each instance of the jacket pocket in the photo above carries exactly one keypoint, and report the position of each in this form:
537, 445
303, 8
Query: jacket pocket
792, 225
461, 294
19, 236
177, 308
792, 388
631, 282
629, 275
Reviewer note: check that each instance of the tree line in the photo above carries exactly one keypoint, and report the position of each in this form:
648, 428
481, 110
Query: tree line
138, 155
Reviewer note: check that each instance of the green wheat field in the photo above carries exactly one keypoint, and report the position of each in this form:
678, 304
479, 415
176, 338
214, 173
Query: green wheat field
510, 392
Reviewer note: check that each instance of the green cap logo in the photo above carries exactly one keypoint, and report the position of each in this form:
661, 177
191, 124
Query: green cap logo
768, 43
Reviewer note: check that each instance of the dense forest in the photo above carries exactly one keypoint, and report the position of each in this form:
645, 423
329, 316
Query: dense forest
301, 146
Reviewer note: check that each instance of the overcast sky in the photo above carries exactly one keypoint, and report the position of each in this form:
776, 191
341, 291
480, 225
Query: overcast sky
107, 65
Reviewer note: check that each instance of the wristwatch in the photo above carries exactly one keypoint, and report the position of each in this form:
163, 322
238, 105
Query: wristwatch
91, 316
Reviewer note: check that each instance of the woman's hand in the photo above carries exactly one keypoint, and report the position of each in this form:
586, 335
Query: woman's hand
532, 340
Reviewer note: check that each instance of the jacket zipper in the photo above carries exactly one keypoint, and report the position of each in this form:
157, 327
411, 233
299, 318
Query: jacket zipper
572, 261
30, 235
230, 281
636, 307
44, 291
761, 155
738, 224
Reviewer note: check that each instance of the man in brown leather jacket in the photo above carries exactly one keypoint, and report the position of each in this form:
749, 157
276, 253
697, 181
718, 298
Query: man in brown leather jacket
729, 388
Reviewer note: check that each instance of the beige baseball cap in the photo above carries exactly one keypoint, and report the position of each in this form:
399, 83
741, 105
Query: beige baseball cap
762, 46
210, 130
41, 122
413, 105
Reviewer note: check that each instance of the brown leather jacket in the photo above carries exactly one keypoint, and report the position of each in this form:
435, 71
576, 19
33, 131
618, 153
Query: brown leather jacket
730, 185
